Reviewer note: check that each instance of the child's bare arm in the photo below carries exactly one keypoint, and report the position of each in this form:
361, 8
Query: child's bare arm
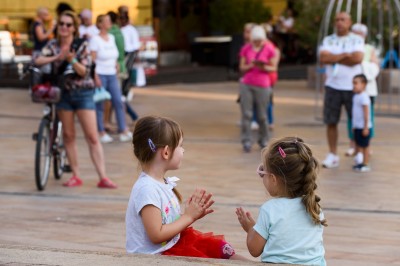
197, 206
158, 232
366, 119
255, 242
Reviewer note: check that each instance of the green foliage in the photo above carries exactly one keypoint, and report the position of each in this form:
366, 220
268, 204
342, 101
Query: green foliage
311, 12
28, 44
308, 21
229, 16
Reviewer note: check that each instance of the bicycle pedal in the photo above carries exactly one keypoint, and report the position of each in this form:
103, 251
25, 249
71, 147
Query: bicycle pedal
67, 169
34, 136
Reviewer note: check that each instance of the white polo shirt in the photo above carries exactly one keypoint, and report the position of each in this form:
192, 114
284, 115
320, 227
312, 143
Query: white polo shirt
131, 38
338, 76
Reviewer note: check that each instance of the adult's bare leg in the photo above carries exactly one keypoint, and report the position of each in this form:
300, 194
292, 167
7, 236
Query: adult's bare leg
87, 119
107, 114
332, 136
69, 136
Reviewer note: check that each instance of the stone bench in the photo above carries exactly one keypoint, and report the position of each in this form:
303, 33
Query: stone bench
24, 255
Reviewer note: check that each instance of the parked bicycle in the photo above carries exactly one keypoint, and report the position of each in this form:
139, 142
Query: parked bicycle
49, 137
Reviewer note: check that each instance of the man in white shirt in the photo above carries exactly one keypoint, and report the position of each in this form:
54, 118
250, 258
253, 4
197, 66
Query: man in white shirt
342, 53
87, 30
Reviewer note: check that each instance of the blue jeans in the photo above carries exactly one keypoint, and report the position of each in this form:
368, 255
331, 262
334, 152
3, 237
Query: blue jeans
111, 84
133, 115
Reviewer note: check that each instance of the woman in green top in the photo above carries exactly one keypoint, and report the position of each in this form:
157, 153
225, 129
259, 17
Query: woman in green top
123, 74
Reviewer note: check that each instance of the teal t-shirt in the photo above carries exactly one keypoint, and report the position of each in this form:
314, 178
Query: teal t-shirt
291, 235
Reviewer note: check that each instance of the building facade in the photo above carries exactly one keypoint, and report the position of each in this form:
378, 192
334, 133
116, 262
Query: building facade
16, 15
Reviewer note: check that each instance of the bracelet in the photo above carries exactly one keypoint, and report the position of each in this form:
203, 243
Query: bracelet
73, 61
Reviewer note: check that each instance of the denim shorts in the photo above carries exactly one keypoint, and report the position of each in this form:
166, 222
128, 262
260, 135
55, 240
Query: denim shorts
72, 100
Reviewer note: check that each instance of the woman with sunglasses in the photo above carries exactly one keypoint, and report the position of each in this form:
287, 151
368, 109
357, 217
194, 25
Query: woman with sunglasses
66, 54
289, 227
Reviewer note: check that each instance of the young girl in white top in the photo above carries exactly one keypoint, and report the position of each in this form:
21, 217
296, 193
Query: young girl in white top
154, 222
290, 225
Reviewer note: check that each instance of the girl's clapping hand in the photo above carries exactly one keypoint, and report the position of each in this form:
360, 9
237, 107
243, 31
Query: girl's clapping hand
245, 219
198, 205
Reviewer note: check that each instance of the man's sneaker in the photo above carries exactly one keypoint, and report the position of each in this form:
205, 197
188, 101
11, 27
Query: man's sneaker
73, 182
124, 137
350, 152
359, 158
254, 125
106, 183
362, 168
331, 161
106, 138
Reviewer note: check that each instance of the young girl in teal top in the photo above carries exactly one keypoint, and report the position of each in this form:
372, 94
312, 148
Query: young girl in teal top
289, 227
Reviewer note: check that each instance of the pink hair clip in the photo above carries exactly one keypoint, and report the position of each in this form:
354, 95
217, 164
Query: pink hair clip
282, 152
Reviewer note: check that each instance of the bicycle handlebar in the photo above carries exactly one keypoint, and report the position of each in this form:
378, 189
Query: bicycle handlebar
25, 71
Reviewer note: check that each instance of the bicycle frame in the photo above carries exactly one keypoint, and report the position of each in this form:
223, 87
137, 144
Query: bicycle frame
50, 114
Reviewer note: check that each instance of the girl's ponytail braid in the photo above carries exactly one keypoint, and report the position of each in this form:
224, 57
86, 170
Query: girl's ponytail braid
309, 172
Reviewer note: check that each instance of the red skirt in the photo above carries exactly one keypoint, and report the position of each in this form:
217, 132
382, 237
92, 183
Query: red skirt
193, 243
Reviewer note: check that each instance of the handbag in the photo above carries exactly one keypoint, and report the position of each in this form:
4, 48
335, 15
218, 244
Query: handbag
138, 77
101, 94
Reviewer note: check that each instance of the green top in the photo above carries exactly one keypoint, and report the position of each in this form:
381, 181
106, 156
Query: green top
119, 41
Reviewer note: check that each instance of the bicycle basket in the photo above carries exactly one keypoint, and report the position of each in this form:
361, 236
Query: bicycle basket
42, 90
45, 93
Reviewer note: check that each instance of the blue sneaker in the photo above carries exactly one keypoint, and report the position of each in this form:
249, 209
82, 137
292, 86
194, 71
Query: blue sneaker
362, 168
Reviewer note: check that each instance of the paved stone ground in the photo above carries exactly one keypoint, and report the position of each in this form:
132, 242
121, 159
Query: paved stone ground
61, 226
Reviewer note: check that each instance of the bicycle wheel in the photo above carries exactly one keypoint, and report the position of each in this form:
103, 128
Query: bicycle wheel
60, 155
42, 154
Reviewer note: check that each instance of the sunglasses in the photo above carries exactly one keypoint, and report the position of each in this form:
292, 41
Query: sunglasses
68, 25
260, 171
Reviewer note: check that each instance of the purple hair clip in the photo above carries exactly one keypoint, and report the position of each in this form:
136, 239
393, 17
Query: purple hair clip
282, 152
151, 145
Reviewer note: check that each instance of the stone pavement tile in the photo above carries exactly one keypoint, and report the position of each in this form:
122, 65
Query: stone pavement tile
362, 209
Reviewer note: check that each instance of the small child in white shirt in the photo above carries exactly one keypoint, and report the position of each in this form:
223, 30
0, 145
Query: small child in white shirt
361, 121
